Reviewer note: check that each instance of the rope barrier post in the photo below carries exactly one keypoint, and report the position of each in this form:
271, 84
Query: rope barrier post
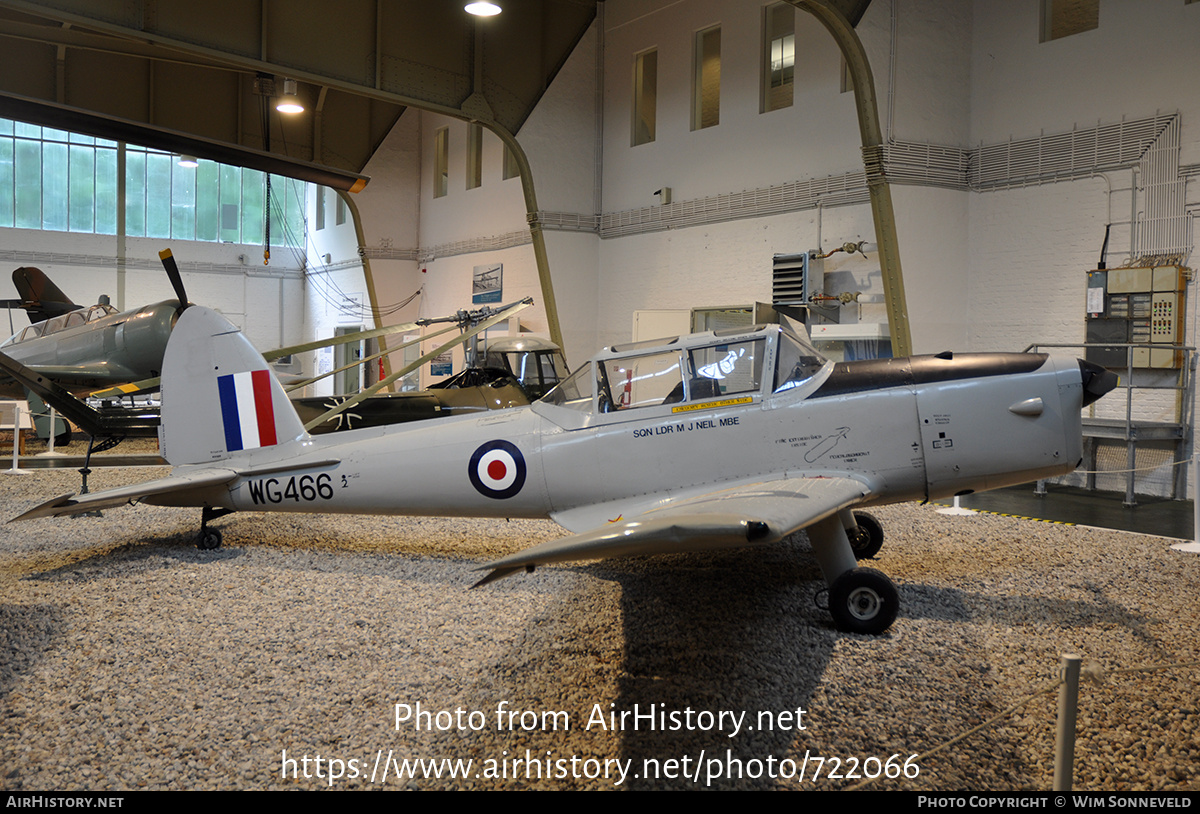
53, 418
1193, 545
17, 410
1064, 740
50, 453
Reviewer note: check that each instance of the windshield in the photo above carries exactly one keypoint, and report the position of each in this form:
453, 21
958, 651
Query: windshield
575, 391
798, 362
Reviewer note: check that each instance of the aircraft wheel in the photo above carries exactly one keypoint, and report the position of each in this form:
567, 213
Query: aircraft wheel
209, 539
863, 600
866, 542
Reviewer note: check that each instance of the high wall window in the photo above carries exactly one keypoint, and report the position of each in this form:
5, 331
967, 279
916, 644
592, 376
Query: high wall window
441, 162
1062, 18
779, 55
706, 83
60, 181
645, 96
474, 155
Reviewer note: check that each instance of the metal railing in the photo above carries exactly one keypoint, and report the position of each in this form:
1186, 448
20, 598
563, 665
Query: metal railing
1132, 429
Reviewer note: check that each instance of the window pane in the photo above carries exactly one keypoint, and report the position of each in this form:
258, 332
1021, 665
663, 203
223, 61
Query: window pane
135, 193
183, 201
231, 201
158, 194
706, 101
83, 189
1062, 18
54, 186
106, 192
474, 156
287, 212
725, 369
645, 97
208, 205
441, 163
779, 52
7, 199
641, 381
253, 192
28, 174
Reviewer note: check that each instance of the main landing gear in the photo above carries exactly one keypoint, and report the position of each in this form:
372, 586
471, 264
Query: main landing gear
209, 539
861, 600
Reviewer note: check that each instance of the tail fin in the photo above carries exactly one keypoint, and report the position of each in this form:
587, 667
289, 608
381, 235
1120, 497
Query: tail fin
42, 298
220, 399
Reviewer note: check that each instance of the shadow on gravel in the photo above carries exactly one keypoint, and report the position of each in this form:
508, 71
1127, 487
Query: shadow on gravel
157, 553
735, 633
26, 632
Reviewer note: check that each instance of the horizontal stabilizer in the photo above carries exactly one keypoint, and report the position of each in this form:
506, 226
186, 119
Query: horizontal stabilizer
172, 485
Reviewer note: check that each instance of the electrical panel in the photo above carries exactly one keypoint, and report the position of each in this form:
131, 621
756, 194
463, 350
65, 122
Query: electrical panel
1137, 306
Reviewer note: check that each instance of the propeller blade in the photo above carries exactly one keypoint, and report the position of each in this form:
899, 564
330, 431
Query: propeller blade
168, 261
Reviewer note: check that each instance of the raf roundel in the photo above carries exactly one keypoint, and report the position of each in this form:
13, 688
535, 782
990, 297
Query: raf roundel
497, 470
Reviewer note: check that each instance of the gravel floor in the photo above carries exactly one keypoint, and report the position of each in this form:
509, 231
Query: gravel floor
132, 660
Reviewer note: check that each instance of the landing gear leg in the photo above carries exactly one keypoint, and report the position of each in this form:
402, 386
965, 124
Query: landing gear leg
861, 600
210, 538
106, 443
864, 531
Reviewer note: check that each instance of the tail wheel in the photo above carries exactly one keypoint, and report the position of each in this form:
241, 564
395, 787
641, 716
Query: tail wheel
209, 539
867, 539
863, 600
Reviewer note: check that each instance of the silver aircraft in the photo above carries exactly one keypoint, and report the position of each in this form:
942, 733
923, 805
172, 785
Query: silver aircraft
715, 440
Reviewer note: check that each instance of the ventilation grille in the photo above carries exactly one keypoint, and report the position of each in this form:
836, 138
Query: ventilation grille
789, 279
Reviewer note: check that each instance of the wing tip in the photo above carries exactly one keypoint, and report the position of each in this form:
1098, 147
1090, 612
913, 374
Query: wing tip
501, 573
47, 509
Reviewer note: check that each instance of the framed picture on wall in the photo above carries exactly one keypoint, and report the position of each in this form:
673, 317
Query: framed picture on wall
487, 284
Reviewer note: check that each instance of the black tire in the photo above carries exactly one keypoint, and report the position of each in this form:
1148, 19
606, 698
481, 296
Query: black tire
209, 539
868, 539
863, 600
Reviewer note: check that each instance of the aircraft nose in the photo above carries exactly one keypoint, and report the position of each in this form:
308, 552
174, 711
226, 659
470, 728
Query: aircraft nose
1096, 381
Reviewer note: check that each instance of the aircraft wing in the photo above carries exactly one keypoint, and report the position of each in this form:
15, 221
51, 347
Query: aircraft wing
748, 514
174, 483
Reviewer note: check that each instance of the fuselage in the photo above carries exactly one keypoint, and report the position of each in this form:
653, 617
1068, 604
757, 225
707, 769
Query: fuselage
88, 349
909, 429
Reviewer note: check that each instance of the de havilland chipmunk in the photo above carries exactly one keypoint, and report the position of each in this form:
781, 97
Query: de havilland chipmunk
714, 440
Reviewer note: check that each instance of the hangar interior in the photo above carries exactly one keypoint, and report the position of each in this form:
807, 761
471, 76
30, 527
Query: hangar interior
666, 153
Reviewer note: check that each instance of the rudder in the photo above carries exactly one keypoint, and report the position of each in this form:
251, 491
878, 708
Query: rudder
220, 399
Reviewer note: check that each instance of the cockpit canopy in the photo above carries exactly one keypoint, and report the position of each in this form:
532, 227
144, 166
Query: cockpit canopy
736, 364
71, 319
536, 363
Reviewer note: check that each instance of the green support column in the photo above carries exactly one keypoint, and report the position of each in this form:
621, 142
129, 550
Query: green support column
872, 147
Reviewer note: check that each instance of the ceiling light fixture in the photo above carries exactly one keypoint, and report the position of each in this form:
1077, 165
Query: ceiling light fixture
482, 9
188, 161
289, 102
